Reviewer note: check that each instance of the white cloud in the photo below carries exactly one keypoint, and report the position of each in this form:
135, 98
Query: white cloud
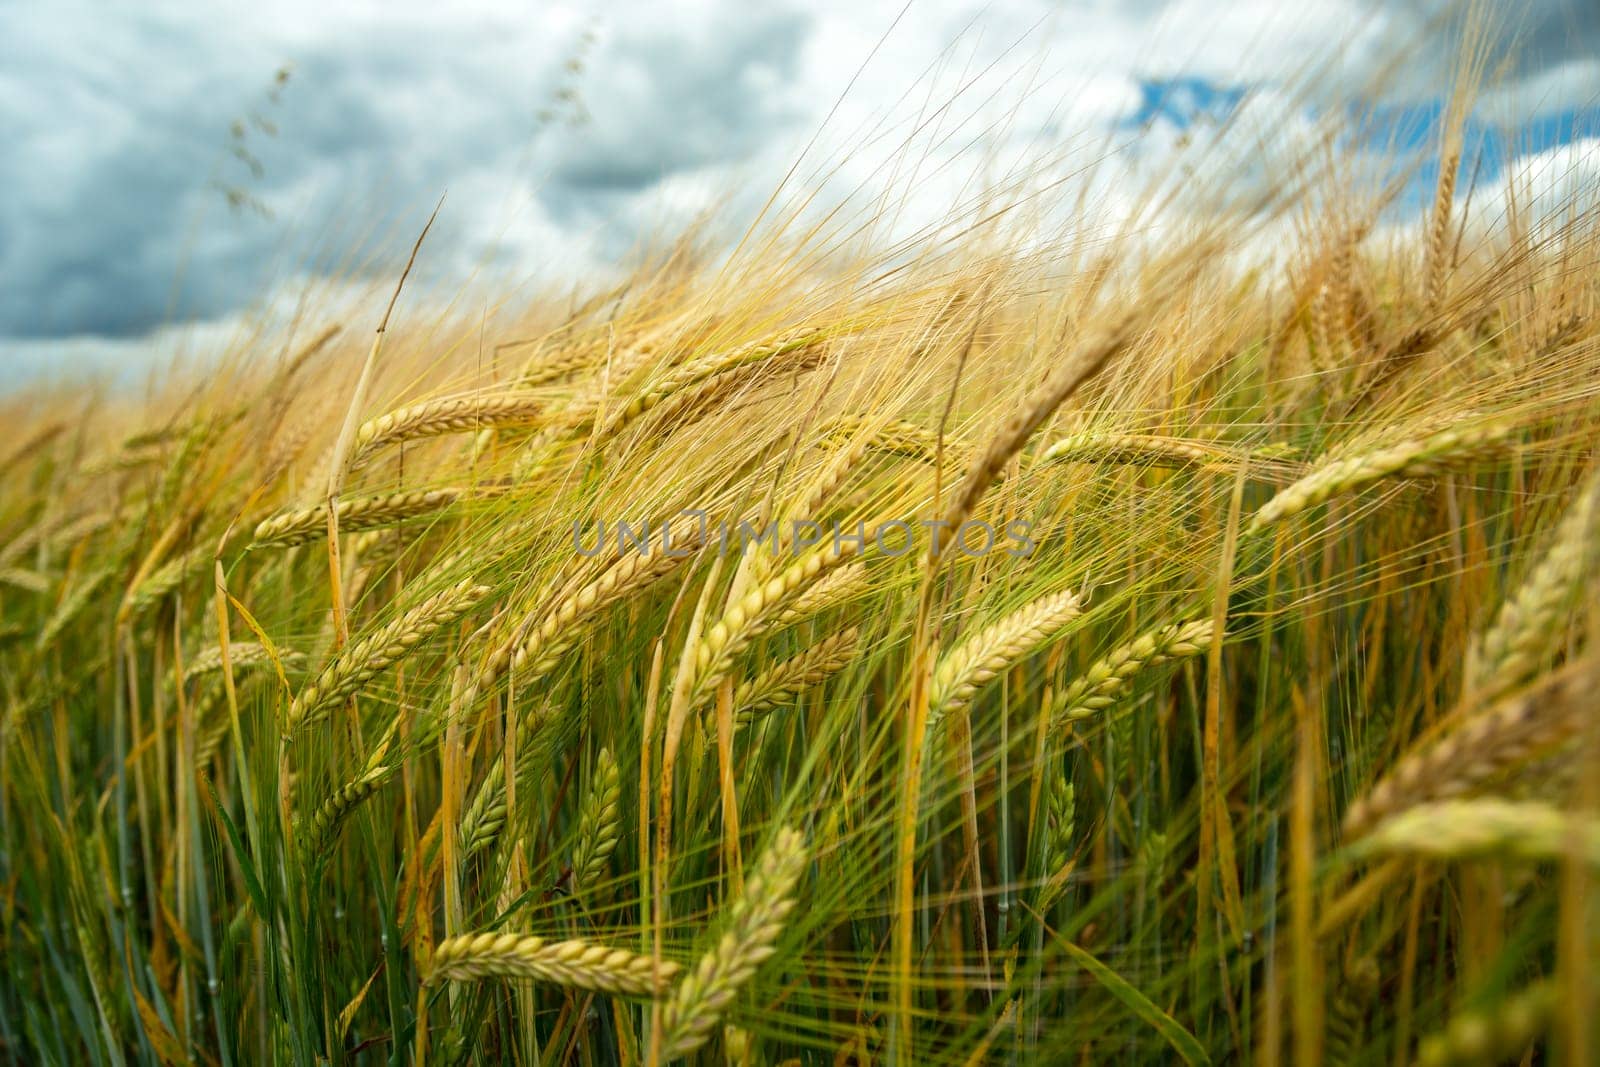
118, 124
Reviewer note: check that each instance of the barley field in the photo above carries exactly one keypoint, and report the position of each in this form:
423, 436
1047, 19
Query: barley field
1165, 639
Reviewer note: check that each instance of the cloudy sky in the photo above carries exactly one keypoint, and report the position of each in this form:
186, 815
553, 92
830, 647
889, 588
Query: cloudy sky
160, 168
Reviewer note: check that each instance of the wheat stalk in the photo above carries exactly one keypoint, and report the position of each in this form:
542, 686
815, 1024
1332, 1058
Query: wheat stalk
359, 513
437, 417
1104, 683
1487, 745
976, 661
749, 940
574, 964
363, 660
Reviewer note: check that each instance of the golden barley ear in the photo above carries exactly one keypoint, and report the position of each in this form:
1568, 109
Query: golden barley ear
360, 513
1107, 680
754, 612
368, 657
437, 417
539, 641
1528, 627
1466, 443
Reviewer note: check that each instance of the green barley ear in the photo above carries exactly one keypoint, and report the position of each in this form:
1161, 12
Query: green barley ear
359, 513
979, 659
575, 964
1486, 828
1061, 813
598, 823
781, 683
1350, 1009
748, 941
323, 827
1061, 821
1107, 681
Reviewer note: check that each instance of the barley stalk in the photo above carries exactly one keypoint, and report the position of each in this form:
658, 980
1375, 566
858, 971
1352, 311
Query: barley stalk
749, 940
359, 513
1421, 457
365, 659
574, 964
1489, 744
437, 417
1105, 682
978, 659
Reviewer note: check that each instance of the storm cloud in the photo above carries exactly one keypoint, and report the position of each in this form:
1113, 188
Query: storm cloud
156, 171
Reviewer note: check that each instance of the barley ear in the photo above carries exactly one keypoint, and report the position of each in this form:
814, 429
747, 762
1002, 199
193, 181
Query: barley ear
366, 658
575, 964
599, 823
1108, 679
980, 658
749, 940
1529, 624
